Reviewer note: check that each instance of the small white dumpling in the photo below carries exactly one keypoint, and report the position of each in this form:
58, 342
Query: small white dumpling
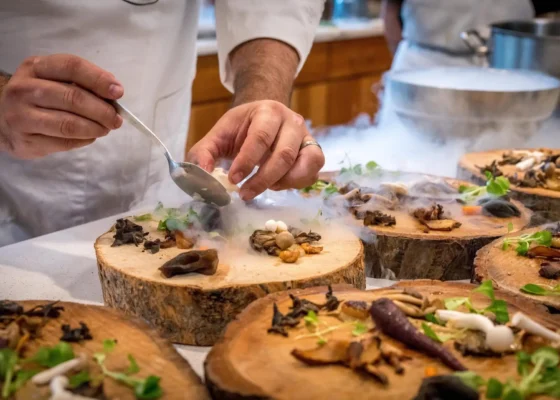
222, 177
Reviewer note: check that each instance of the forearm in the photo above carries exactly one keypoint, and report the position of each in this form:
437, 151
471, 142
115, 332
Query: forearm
390, 12
263, 69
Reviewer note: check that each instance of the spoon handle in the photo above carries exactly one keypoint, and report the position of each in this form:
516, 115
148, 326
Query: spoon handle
134, 121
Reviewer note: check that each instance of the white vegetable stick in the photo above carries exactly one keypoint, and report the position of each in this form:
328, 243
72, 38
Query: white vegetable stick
522, 321
58, 390
76, 364
525, 165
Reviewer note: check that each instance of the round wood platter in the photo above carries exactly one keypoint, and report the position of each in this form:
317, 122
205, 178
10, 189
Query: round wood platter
155, 355
407, 251
194, 309
249, 363
545, 203
510, 271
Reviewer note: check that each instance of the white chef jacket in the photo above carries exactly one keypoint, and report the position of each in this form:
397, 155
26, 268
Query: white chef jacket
151, 49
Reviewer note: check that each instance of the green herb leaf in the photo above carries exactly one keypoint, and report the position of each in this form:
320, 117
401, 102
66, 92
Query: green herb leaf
52, 356
547, 355
371, 165
431, 317
22, 376
133, 367
486, 289
8, 362
453, 303
109, 345
79, 379
359, 329
538, 290
523, 363
357, 169
494, 389
499, 308
311, 318
471, 379
148, 388
510, 226
428, 331
512, 394
322, 341
143, 217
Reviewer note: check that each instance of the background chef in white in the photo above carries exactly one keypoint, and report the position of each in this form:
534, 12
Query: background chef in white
62, 163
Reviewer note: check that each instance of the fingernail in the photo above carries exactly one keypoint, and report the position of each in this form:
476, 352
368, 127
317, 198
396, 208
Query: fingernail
247, 195
116, 90
236, 178
118, 122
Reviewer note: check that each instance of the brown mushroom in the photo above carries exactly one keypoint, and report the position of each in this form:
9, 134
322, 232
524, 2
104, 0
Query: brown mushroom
550, 270
544, 252
202, 261
332, 352
376, 373
309, 249
356, 309
288, 256
284, 240
184, 242
392, 356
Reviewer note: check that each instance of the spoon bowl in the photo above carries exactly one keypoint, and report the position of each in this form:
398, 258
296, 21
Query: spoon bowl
190, 178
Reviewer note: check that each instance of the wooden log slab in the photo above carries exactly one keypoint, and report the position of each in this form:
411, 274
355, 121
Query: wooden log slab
544, 203
249, 363
155, 355
194, 309
407, 251
510, 271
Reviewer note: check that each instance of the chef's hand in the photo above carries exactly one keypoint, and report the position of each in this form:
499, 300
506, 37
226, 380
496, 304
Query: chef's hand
266, 134
54, 103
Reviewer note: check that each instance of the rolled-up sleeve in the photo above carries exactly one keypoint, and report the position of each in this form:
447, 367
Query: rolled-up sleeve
291, 21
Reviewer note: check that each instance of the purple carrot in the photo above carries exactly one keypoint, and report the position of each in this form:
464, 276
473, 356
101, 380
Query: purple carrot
390, 320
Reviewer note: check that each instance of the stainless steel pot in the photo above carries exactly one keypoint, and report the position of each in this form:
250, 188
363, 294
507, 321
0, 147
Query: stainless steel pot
445, 102
532, 45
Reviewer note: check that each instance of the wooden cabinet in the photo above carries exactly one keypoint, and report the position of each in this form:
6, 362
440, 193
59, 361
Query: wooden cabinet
334, 86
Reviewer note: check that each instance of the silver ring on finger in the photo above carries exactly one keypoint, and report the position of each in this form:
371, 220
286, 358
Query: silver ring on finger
310, 143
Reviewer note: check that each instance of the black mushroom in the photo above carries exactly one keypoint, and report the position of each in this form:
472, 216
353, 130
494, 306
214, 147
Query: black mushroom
281, 321
500, 208
376, 217
544, 252
75, 334
201, 261
390, 320
493, 168
550, 270
433, 218
445, 387
10, 308
127, 232
332, 302
152, 246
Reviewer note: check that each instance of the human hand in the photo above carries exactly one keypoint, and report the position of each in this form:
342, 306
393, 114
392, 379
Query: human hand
55, 103
266, 134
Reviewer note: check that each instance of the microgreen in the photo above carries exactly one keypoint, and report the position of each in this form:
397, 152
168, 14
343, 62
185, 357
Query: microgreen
143, 217
497, 307
538, 290
431, 317
173, 219
358, 169
144, 389
440, 337
79, 379
321, 186
311, 319
360, 329
538, 372
52, 356
524, 242
8, 362
495, 186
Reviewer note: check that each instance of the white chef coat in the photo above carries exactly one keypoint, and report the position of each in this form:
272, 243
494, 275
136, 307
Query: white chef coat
151, 49
432, 28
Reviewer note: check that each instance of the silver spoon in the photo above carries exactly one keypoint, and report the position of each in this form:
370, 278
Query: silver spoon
192, 179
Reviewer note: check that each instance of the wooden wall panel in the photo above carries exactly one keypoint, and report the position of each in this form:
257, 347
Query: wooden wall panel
203, 118
358, 56
311, 102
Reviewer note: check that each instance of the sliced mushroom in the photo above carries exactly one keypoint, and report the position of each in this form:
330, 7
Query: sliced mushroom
544, 252
288, 256
333, 352
392, 356
550, 270
442, 225
184, 242
356, 309
376, 373
201, 261
309, 249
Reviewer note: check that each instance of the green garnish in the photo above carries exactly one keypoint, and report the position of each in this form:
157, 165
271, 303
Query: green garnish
79, 379
173, 219
441, 337
52, 356
495, 186
360, 329
144, 389
539, 374
321, 186
357, 169
311, 319
431, 317
8, 362
538, 290
541, 238
497, 307
143, 217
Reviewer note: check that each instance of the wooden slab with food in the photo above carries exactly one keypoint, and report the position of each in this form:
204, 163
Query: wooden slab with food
416, 340
525, 263
69, 351
421, 226
188, 276
533, 173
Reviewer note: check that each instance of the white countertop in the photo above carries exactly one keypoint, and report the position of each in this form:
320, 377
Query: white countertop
62, 266
324, 33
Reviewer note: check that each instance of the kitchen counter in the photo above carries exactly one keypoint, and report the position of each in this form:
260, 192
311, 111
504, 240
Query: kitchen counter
324, 33
62, 266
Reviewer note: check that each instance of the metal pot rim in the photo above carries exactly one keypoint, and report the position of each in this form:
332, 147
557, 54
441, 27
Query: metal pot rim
501, 27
